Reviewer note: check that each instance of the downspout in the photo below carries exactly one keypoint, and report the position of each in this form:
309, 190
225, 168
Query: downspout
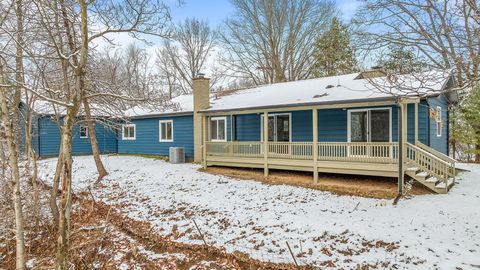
448, 130
400, 151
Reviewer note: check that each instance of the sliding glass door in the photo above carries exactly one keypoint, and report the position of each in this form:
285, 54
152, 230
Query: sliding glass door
369, 126
278, 128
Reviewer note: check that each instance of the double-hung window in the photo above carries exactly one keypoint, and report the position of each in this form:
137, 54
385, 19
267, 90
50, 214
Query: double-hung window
438, 121
83, 132
166, 130
218, 129
128, 132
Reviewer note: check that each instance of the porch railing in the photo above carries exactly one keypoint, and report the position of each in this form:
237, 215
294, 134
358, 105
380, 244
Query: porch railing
358, 151
290, 150
236, 149
327, 151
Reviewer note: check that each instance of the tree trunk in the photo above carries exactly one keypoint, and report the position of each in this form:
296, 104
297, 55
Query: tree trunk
66, 198
477, 153
55, 185
63, 240
102, 172
9, 125
32, 166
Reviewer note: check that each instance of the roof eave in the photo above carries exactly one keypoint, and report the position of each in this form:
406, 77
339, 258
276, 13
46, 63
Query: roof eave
183, 113
380, 99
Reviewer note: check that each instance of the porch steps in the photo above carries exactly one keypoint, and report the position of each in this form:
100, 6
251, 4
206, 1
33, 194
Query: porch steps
422, 175
429, 181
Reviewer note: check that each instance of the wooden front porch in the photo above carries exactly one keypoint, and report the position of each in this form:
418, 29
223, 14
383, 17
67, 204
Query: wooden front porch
433, 169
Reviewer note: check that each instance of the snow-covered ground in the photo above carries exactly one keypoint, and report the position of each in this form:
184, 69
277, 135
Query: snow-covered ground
425, 232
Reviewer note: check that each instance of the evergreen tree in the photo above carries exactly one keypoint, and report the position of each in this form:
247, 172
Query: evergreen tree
334, 54
471, 114
402, 60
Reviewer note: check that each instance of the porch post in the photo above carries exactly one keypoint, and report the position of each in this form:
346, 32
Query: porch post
400, 149
401, 145
204, 139
230, 151
265, 143
405, 131
232, 128
315, 144
416, 123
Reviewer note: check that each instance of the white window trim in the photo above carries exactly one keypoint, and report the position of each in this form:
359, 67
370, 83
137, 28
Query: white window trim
349, 119
438, 121
134, 132
289, 125
224, 130
86, 132
160, 130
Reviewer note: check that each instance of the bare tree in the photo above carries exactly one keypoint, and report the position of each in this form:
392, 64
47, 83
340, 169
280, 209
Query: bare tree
9, 125
270, 41
445, 33
76, 30
10, 97
168, 75
184, 57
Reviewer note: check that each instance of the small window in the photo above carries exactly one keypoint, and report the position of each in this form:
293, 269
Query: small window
83, 132
438, 121
218, 129
166, 130
128, 132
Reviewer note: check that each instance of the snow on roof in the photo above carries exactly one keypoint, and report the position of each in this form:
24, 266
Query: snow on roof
326, 90
180, 104
44, 107
336, 89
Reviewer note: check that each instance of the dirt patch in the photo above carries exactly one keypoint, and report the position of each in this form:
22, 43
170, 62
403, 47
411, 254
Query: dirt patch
103, 238
363, 186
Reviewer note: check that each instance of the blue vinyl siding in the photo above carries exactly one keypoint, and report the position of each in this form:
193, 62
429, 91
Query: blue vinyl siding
49, 142
439, 143
422, 122
147, 139
302, 126
332, 125
247, 127
49, 139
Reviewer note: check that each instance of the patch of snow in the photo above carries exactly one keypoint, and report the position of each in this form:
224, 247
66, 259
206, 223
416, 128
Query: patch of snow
31, 263
161, 256
183, 103
431, 231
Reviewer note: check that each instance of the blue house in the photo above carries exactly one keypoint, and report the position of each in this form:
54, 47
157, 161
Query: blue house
363, 123
46, 124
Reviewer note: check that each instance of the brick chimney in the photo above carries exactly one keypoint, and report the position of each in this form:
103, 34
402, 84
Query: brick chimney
201, 101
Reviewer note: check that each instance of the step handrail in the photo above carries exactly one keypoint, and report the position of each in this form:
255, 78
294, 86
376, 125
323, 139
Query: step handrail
435, 166
436, 153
